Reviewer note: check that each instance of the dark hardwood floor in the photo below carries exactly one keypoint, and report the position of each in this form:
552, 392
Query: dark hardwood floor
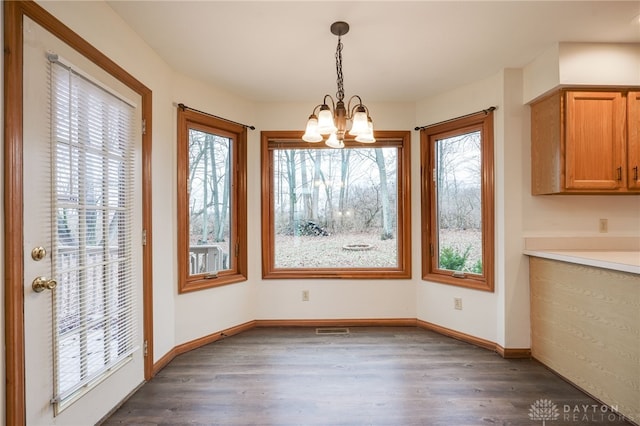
371, 376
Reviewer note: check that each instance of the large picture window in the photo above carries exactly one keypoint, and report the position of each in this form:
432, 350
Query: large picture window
335, 213
457, 202
211, 201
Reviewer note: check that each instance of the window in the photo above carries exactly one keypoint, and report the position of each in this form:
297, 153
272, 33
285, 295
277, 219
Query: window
457, 202
93, 162
212, 214
335, 213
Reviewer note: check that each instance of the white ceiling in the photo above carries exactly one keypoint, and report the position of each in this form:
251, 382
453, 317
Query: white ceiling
396, 51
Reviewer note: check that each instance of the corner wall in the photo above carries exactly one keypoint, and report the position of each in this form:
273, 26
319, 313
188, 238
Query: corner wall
513, 319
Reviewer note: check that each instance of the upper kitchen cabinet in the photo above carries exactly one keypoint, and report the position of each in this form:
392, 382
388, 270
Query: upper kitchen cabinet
585, 142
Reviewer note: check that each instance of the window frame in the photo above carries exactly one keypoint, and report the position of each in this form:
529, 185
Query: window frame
483, 122
271, 140
237, 272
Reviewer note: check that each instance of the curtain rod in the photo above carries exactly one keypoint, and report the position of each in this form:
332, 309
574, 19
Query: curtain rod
486, 111
183, 107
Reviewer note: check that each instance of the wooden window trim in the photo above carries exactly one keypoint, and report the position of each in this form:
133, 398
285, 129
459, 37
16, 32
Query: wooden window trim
293, 139
238, 215
430, 271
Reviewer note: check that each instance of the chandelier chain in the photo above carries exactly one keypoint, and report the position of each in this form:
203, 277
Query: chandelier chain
340, 80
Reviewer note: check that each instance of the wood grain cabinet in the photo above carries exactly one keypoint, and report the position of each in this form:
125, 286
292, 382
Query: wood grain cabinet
586, 142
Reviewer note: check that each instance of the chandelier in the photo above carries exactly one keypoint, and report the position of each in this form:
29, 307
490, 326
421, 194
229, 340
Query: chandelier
330, 123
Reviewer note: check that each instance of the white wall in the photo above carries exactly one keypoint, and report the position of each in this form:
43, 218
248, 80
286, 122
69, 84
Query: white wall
602, 64
541, 74
582, 64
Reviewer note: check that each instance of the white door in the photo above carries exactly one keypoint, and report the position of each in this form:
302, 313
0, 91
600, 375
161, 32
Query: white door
76, 367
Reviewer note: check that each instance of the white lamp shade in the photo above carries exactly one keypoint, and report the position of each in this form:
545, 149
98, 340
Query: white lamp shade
325, 122
311, 133
360, 124
367, 136
333, 141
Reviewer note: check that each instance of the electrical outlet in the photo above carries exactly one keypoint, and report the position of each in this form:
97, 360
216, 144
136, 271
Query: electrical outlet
603, 227
457, 303
305, 295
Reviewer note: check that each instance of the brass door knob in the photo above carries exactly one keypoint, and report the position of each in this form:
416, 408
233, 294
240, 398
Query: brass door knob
41, 284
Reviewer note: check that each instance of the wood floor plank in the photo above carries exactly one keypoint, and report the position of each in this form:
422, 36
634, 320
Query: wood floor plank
371, 376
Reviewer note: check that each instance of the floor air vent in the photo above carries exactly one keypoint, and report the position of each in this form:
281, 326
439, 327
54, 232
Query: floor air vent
332, 330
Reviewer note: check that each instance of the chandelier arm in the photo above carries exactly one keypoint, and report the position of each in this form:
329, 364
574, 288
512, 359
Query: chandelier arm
315, 109
350, 109
333, 104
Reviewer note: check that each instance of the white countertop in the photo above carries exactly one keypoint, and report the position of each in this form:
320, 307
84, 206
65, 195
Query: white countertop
625, 261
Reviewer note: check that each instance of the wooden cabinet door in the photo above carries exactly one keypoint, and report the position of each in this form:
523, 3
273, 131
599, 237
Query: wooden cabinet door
594, 146
633, 140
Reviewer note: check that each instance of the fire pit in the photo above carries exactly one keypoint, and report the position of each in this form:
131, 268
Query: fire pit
357, 247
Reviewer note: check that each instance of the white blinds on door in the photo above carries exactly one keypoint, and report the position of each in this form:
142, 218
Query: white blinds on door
93, 141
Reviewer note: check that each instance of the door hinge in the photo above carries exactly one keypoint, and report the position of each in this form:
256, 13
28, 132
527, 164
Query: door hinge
237, 249
144, 237
431, 249
146, 348
434, 175
144, 126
